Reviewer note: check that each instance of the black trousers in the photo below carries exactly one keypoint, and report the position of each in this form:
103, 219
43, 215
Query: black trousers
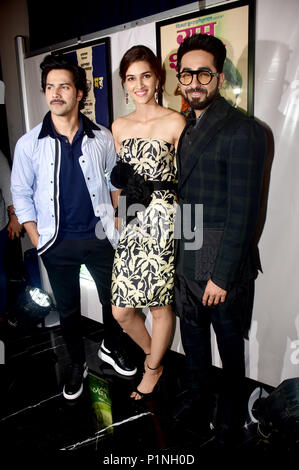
227, 322
62, 262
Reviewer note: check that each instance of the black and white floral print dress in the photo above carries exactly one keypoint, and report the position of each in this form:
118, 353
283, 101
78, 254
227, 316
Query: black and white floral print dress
143, 270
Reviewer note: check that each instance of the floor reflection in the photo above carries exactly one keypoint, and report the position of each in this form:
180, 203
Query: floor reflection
103, 423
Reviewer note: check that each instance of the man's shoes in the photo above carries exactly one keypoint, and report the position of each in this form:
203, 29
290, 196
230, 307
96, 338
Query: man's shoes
74, 384
118, 359
230, 438
193, 414
220, 445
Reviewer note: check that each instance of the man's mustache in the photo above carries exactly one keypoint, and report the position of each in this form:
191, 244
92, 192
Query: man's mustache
196, 90
57, 101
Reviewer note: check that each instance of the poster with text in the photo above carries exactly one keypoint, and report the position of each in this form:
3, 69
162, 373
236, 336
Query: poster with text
94, 57
233, 24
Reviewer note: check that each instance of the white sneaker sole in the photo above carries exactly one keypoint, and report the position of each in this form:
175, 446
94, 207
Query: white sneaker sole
110, 361
76, 395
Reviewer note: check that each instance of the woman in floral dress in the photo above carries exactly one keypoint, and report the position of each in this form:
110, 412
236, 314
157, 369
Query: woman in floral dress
143, 271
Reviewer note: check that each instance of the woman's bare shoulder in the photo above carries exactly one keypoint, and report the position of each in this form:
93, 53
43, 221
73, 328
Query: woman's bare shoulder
118, 123
173, 124
122, 122
121, 128
175, 115
175, 121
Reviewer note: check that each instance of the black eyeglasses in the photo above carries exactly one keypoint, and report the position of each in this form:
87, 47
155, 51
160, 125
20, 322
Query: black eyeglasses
204, 76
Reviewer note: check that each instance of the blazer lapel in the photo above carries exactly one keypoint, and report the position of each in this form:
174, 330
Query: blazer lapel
178, 160
215, 119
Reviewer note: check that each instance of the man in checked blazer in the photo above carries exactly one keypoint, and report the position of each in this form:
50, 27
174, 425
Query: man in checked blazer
221, 158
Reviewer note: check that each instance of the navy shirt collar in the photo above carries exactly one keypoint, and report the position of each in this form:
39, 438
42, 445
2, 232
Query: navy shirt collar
48, 130
79, 134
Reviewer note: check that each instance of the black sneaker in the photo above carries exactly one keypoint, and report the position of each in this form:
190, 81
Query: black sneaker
74, 384
118, 359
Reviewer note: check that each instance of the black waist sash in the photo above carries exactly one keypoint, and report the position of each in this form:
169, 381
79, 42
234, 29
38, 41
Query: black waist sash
163, 185
136, 189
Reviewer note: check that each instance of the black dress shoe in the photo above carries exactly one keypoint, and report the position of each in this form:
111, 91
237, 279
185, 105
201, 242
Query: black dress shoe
118, 359
193, 414
228, 437
183, 408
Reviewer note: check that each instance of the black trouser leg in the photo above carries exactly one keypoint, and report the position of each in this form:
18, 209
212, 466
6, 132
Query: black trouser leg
99, 262
63, 268
63, 262
227, 324
196, 342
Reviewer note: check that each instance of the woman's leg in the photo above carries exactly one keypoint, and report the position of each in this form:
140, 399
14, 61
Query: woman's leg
132, 323
161, 335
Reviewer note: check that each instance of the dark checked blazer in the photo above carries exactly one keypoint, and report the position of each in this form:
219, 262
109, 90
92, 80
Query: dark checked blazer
222, 169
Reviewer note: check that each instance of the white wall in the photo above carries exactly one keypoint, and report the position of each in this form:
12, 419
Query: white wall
275, 330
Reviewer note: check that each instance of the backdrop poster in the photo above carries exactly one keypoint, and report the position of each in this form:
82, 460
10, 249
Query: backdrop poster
230, 23
94, 57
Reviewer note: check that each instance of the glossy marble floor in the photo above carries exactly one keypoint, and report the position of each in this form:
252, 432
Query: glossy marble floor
103, 424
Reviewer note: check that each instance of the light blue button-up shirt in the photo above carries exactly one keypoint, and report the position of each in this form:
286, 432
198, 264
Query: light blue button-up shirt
35, 179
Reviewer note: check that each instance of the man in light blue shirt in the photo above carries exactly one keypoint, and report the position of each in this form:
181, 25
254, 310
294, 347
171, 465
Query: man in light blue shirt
63, 196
